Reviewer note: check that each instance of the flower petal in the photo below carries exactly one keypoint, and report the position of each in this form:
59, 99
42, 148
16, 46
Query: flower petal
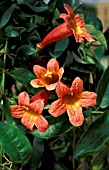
28, 122
17, 111
41, 123
79, 21
37, 106
14, 108
65, 17
42, 95
36, 83
78, 38
61, 71
69, 11
39, 71
62, 89
76, 117
23, 99
57, 108
77, 86
51, 86
86, 35
53, 65
87, 99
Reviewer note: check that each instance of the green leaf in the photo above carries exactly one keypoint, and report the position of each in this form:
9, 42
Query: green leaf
38, 9
38, 149
105, 99
99, 159
14, 31
7, 111
30, 27
15, 144
26, 50
100, 52
91, 19
98, 35
52, 7
1, 155
21, 1
33, 37
24, 76
102, 85
95, 136
57, 48
7, 15
54, 130
32, 9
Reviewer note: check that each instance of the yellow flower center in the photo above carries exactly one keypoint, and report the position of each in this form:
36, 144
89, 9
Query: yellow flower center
30, 113
50, 78
77, 29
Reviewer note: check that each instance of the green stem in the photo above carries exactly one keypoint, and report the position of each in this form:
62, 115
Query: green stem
97, 112
3, 75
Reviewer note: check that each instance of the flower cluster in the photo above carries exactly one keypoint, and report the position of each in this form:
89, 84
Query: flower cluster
70, 99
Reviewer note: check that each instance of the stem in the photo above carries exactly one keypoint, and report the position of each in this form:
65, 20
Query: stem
97, 112
3, 75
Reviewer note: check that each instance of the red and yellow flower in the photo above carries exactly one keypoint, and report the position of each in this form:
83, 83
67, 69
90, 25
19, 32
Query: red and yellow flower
72, 25
47, 77
72, 100
30, 110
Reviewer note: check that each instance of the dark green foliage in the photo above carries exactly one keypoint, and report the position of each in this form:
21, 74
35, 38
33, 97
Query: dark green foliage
23, 24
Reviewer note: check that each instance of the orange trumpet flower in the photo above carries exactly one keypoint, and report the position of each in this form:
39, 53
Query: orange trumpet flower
30, 110
72, 25
49, 77
72, 100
